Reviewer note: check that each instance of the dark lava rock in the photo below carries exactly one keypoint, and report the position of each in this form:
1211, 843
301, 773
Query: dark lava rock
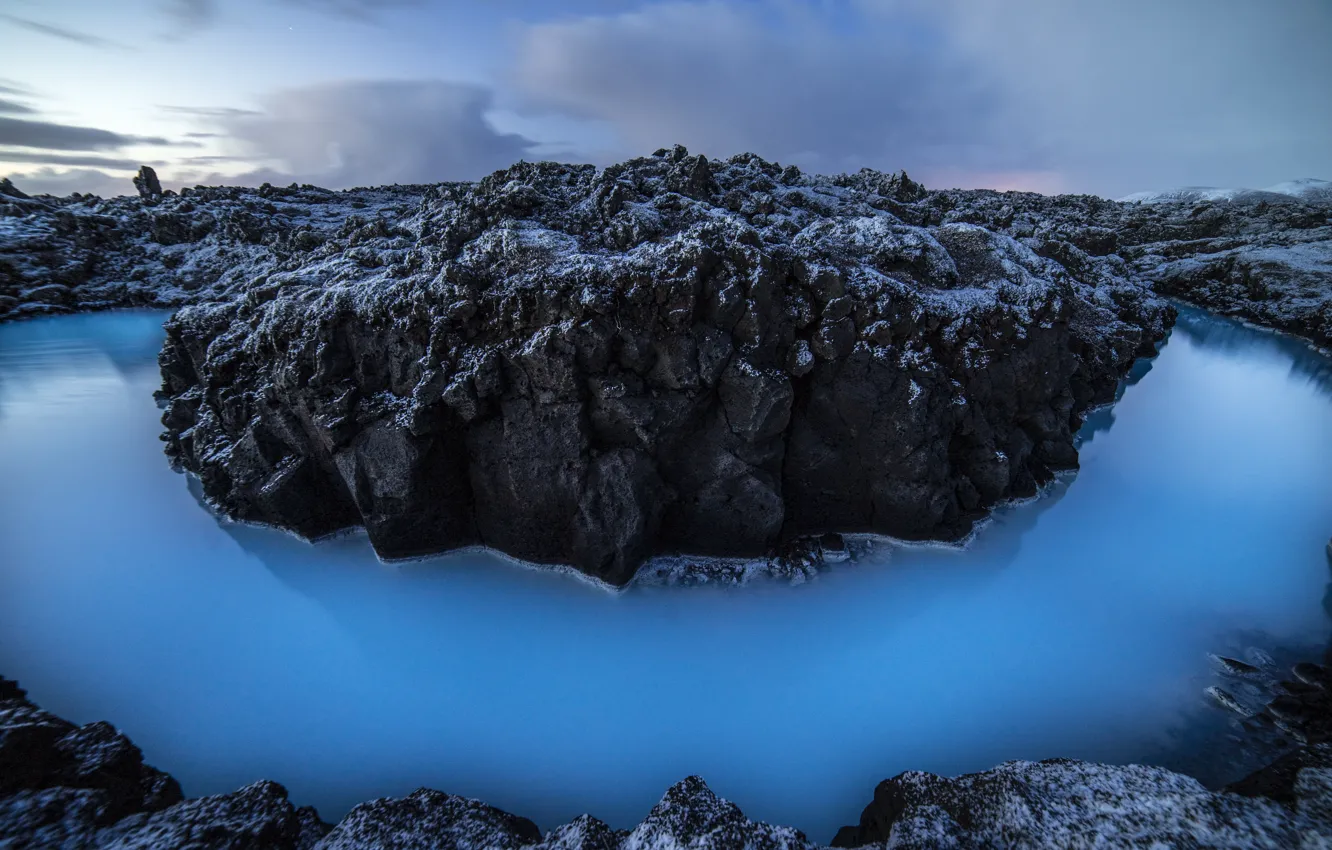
86, 787
147, 183
1072, 804
592, 367
428, 819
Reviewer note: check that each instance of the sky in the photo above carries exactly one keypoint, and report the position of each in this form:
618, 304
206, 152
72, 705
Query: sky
1106, 97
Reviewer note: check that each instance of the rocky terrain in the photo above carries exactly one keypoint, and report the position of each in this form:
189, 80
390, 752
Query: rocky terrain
670, 355
80, 788
673, 355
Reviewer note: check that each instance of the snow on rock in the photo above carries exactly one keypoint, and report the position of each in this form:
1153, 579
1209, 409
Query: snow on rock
1072, 804
588, 367
1305, 188
85, 788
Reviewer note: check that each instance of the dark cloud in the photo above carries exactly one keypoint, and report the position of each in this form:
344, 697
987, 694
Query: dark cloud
209, 111
13, 88
1106, 97
62, 33
44, 134
46, 158
210, 160
197, 13
375, 132
13, 107
202, 135
49, 181
792, 84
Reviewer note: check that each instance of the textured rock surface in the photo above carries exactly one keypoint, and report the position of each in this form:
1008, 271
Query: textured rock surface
71, 786
86, 787
1071, 804
60, 255
1263, 257
670, 355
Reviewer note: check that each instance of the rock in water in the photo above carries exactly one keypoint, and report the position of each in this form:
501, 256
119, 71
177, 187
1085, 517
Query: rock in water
146, 182
670, 355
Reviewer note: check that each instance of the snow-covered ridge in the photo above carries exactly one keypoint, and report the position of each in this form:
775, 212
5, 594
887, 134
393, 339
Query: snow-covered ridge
1309, 189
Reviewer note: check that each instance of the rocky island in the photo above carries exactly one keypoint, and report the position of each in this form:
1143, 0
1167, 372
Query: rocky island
669, 355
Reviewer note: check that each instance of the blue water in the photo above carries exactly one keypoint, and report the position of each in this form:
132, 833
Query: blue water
1078, 625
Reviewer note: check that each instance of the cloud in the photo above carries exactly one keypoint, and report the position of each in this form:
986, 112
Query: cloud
49, 181
63, 33
785, 81
361, 133
44, 134
209, 111
1107, 97
45, 158
1140, 94
13, 107
197, 13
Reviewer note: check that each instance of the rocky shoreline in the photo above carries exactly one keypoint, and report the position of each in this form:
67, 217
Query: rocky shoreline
87, 788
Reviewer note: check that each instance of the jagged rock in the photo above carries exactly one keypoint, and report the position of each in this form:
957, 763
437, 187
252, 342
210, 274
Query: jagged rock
427, 819
147, 183
591, 367
69, 800
257, 816
1072, 804
39, 751
691, 815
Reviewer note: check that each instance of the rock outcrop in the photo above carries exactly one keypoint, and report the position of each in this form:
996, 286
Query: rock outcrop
669, 355
1064, 803
82, 253
86, 788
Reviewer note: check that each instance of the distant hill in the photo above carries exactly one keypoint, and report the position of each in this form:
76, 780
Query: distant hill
1304, 189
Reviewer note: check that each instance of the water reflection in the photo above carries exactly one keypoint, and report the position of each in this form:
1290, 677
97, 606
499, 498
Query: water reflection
1078, 625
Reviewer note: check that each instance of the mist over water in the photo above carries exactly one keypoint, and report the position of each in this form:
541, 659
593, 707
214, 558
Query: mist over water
1077, 625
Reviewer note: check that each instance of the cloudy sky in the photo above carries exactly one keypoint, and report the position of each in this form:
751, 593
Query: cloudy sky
1107, 97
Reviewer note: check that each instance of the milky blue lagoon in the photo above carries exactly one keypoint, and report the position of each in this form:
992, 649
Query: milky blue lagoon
1078, 625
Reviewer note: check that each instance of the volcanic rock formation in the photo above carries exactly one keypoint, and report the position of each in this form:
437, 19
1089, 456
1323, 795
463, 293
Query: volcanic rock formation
673, 354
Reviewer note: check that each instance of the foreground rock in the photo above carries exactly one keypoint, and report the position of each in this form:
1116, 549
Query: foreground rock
81, 788
1063, 803
670, 355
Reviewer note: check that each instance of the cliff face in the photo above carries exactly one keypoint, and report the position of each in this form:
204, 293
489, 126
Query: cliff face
672, 354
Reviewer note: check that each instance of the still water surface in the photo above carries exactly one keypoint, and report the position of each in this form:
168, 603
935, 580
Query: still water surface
1078, 625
